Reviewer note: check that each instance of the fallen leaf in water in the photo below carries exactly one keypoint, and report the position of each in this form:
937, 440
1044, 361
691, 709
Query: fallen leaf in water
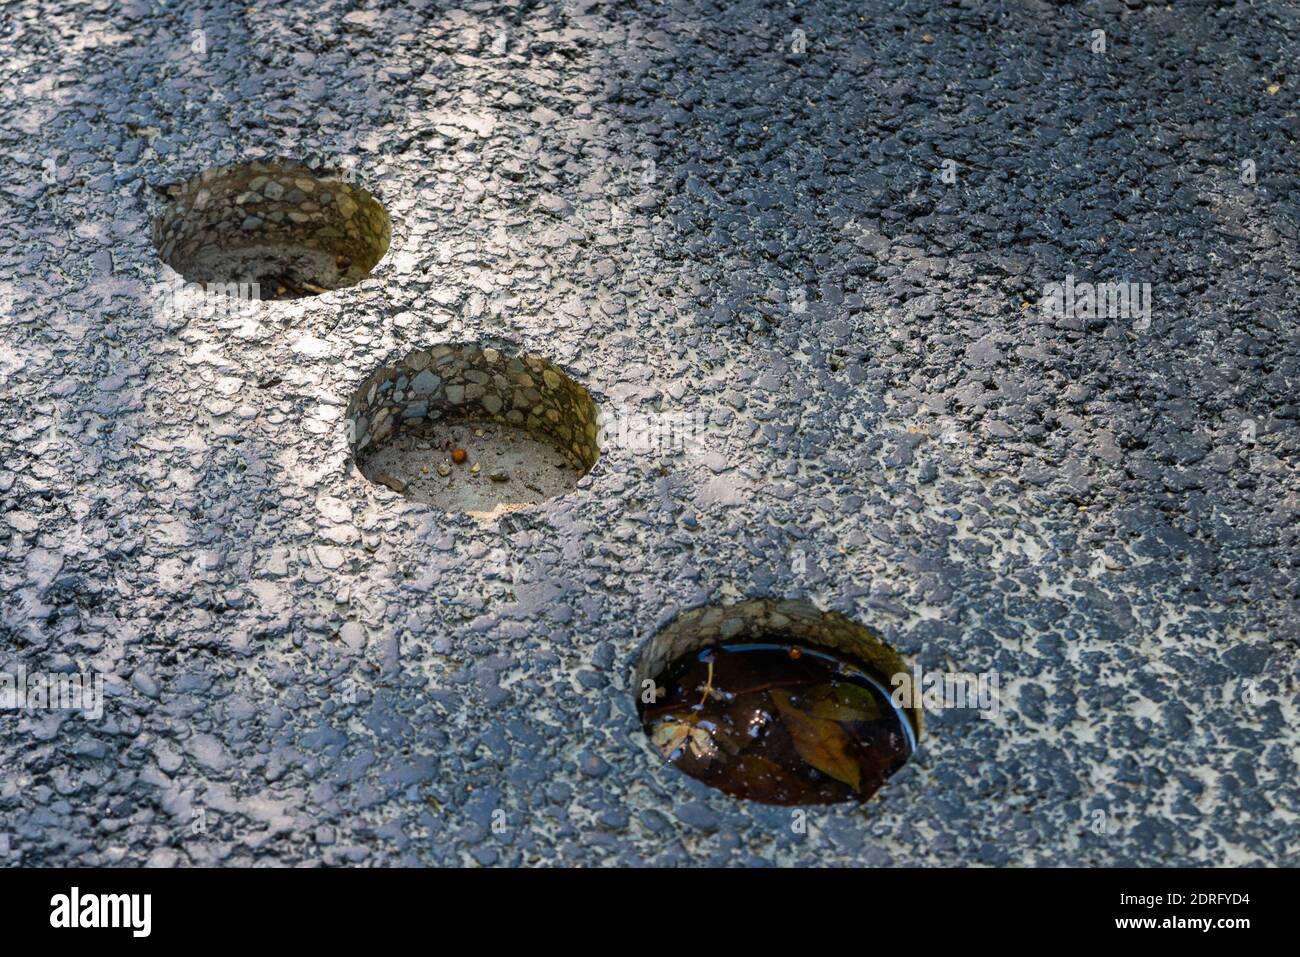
841, 702
820, 742
670, 735
702, 745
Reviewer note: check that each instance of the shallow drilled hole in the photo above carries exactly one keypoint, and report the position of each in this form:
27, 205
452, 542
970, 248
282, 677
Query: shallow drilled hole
271, 230
473, 428
776, 702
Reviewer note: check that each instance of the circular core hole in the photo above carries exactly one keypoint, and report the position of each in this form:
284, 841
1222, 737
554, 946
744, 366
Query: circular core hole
473, 429
776, 702
271, 230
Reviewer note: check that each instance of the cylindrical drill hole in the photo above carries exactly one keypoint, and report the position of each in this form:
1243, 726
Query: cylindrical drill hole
271, 230
776, 702
475, 429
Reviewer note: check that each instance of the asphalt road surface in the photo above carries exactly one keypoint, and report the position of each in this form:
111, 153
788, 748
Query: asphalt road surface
851, 241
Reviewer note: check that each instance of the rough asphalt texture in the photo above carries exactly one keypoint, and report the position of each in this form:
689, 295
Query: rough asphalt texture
304, 668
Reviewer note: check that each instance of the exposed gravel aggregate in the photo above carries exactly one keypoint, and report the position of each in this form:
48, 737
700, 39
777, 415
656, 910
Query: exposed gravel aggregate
686, 215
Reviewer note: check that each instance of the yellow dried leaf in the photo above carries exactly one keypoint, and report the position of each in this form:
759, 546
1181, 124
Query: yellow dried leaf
669, 736
702, 745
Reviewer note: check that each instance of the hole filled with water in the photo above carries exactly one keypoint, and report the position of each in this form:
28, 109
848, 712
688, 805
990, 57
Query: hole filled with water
776, 702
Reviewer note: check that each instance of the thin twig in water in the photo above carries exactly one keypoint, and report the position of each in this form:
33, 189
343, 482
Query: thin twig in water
797, 683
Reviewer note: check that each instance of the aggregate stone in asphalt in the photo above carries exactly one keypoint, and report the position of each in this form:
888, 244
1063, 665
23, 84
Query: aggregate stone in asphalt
829, 233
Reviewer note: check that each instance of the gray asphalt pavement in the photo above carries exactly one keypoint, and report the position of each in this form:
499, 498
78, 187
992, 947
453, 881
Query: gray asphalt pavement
852, 241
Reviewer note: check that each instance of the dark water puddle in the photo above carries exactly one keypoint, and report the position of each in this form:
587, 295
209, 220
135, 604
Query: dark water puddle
780, 724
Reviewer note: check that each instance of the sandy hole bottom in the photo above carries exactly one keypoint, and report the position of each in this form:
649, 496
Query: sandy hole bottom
505, 468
